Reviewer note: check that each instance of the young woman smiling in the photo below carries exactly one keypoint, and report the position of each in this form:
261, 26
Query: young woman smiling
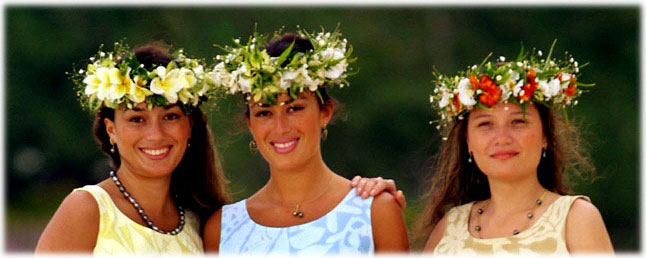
502, 167
304, 207
167, 174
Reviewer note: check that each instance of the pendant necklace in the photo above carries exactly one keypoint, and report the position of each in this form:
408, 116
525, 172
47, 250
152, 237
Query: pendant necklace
530, 215
140, 210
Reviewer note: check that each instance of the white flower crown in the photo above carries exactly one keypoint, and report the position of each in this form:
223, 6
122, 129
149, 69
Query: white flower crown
529, 78
117, 79
249, 70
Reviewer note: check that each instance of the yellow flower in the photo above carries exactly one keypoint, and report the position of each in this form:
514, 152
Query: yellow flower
138, 93
168, 83
107, 84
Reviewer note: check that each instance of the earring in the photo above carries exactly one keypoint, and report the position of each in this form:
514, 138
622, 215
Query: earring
324, 133
188, 142
253, 147
544, 152
470, 157
112, 150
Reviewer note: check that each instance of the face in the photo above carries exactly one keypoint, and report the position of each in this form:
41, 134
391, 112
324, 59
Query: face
289, 135
506, 143
150, 142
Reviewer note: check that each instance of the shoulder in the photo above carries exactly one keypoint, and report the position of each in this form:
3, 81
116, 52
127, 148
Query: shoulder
212, 232
74, 226
585, 230
436, 235
388, 225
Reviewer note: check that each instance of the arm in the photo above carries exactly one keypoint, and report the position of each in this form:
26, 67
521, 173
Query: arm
435, 236
74, 227
388, 226
374, 186
212, 232
585, 231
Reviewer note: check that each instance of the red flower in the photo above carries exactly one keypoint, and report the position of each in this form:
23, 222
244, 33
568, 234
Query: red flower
571, 88
474, 81
530, 85
456, 103
490, 91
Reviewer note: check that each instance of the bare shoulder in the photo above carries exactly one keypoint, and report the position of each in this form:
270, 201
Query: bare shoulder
74, 226
211, 238
585, 231
388, 225
436, 236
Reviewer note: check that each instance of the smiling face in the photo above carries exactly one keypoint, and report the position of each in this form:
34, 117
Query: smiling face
150, 142
506, 143
289, 135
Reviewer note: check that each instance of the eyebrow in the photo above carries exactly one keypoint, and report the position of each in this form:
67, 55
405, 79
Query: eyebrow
280, 103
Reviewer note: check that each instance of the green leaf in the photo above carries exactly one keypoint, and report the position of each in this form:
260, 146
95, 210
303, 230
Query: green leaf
283, 56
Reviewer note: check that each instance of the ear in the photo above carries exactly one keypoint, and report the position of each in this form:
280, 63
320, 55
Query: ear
109, 128
326, 112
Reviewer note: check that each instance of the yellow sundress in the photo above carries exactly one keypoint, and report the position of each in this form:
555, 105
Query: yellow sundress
118, 234
545, 236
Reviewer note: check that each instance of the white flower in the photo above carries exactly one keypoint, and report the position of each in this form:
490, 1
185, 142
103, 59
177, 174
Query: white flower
551, 88
465, 93
336, 71
518, 88
445, 99
299, 76
138, 93
107, 83
245, 83
169, 83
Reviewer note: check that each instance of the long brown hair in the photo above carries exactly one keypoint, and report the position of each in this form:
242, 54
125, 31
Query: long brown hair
455, 181
198, 181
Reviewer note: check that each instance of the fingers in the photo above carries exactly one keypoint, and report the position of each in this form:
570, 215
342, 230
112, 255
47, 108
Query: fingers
401, 199
360, 185
368, 186
355, 181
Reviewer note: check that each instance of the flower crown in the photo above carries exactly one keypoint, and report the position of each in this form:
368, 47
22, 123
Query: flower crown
250, 70
117, 79
530, 78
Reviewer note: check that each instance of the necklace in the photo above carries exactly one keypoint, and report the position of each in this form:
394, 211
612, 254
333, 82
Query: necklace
297, 212
149, 223
530, 215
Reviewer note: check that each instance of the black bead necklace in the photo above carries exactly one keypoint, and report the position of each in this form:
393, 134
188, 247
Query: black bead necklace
149, 223
530, 215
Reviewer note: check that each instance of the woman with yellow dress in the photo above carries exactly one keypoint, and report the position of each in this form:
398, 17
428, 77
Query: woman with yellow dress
500, 178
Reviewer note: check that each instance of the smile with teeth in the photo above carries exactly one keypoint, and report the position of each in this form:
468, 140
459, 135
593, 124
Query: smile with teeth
284, 145
156, 152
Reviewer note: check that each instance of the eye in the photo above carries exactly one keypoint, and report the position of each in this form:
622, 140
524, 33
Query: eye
171, 116
262, 113
519, 121
295, 108
483, 124
136, 119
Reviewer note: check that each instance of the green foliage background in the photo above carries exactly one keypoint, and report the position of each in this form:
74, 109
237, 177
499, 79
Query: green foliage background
50, 149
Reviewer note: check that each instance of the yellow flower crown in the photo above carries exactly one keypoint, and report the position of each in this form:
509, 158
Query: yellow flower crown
248, 69
117, 79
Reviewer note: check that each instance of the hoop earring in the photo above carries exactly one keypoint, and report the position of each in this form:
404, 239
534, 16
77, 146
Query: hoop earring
324, 133
253, 147
470, 157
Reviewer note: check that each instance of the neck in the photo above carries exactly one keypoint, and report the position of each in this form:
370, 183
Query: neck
301, 184
153, 194
514, 196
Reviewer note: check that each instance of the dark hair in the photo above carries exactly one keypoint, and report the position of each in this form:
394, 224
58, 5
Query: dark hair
198, 181
455, 181
277, 46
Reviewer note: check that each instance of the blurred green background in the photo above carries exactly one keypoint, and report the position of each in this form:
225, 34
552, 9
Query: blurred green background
50, 149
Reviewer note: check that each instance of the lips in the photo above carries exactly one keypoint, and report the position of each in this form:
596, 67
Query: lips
284, 145
156, 153
503, 155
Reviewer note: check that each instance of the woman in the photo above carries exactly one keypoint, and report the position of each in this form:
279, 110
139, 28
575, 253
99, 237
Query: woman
304, 207
167, 175
502, 168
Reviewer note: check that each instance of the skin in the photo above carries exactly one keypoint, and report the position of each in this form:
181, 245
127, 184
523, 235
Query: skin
506, 147
75, 225
288, 137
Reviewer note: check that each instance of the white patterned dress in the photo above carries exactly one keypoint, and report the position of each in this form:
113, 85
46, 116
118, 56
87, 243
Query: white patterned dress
346, 229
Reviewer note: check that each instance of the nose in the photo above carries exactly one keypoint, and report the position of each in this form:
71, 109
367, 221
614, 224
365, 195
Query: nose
281, 123
502, 136
155, 130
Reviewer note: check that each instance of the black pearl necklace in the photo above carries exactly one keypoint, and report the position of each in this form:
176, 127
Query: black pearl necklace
530, 215
149, 223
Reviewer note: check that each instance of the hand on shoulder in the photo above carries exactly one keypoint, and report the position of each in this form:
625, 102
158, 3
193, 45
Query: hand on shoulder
74, 227
211, 238
585, 231
388, 225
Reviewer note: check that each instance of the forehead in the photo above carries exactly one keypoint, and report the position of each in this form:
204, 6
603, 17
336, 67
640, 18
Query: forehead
142, 108
285, 98
505, 109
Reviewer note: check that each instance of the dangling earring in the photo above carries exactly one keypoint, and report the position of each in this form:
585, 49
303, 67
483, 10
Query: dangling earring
112, 150
188, 142
544, 152
253, 147
324, 133
470, 157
